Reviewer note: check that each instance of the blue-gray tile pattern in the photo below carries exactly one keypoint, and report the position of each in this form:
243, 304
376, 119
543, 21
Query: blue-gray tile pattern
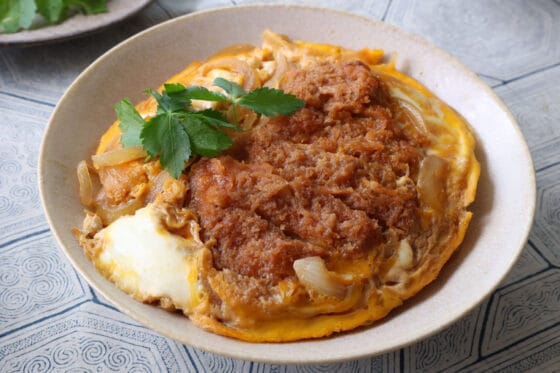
51, 320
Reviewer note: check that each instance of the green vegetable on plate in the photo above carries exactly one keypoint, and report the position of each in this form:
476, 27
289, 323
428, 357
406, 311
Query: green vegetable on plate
17, 15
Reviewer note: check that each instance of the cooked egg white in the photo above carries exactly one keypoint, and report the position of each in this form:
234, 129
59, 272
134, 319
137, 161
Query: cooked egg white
146, 260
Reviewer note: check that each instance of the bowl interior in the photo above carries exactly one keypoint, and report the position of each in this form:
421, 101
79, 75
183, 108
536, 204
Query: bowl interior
503, 209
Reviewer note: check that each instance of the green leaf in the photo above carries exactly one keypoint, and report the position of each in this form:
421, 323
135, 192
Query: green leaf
216, 118
205, 139
202, 93
183, 94
232, 88
164, 135
131, 123
18, 14
90, 6
271, 102
26, 13
166, 103
10, 22
173, 88
52, 10
4, 10
178, 93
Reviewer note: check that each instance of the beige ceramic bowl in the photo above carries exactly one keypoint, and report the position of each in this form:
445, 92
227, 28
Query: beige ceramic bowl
503, 210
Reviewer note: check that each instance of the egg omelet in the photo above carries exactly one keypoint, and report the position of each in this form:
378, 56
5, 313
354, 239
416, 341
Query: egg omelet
310, 224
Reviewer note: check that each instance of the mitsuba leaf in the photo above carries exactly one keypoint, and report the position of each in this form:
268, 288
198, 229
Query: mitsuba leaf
232, 88
164, 135
271, 102
205, 139
177, 92
131, 123
203, 93
216, 118
166, 103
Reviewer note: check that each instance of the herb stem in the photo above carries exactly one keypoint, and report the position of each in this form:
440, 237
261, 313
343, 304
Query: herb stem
234, 113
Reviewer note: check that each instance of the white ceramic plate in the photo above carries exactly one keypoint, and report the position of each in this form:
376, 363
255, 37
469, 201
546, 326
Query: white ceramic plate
77, 25
503, 210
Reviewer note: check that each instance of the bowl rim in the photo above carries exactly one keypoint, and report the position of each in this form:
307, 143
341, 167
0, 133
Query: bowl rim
523, 234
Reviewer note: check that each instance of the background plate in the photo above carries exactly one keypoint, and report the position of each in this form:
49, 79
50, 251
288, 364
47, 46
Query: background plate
77, 25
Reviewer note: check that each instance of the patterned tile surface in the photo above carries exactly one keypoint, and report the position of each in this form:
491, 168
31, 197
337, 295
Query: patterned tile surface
499, 39
91, 338
36, 282
535, 104
50, 320
22, 124
21, 74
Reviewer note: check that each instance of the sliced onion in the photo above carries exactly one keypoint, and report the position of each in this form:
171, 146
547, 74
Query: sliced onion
84, 182
432, 181
234, 64
313, 274
415, 115
405, 254
109, 213
158, 181
275, 41
404, 261
118, 156
281, 68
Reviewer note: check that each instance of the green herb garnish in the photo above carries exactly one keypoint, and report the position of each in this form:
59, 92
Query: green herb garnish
19, 14
177, 131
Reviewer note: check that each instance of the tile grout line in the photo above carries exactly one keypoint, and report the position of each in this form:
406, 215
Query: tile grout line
516, 343
485, 317
544, 168
384, 16
186, 349
44, 318
490, 77
165, 10
529, 74
539, 253
27, 99
22, 238
525, 278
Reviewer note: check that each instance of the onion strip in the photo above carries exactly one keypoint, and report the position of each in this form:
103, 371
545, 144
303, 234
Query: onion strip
431, 182
110, 214
415, 116
118, 156
281, 68
313, 274
85, 184
233, 64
